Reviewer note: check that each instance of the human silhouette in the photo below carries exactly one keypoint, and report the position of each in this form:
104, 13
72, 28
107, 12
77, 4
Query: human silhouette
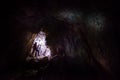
35, 50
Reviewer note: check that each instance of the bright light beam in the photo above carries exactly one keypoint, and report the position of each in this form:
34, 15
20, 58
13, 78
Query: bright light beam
43, 49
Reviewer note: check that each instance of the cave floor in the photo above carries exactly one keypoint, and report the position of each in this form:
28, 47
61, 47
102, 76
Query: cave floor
56, 70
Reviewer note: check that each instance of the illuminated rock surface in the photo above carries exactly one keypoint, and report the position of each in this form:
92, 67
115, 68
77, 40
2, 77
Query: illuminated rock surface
81, 39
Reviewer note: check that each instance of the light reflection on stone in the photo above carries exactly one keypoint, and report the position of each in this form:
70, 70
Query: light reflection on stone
39, 48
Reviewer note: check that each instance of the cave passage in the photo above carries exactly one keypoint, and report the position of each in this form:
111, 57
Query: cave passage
55, 40
39, 49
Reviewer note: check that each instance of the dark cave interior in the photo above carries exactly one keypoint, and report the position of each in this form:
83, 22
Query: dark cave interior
83, 38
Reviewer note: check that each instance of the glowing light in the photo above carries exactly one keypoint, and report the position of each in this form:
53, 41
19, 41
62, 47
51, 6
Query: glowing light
41, 50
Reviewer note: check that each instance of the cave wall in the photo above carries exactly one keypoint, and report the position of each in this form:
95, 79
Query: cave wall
24, 20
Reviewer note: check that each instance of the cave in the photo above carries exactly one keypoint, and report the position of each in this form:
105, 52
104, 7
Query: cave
39, 49
60, 40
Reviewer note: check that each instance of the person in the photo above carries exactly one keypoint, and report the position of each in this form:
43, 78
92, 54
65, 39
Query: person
35, 50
